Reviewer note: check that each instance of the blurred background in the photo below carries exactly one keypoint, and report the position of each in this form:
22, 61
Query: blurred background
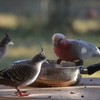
31, 23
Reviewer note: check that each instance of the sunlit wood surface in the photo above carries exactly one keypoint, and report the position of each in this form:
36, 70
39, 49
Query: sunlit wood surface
88, 89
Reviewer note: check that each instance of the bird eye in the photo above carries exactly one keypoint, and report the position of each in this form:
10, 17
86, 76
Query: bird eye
60, 39
8, 40
42, 56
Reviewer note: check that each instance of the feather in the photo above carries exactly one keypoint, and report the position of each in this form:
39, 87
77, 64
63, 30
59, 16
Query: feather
3, 45
22, 74
83, 50
73, 49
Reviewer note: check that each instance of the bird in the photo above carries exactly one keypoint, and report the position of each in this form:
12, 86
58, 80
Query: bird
22, 74
73, 50
4, 44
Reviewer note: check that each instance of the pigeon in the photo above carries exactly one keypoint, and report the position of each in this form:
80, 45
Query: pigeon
27, 61
73, 50
4, 44
20, 75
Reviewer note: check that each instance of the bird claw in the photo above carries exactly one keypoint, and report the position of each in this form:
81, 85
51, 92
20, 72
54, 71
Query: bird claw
22, 94
21, 91
79, 63
59, 61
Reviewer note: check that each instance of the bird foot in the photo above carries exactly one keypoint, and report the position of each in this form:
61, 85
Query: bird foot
59, 61
22, 94
78, 63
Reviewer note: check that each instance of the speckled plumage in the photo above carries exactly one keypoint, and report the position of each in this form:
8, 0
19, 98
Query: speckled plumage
20, 75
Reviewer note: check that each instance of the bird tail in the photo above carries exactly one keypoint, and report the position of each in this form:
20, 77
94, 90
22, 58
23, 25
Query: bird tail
99, 48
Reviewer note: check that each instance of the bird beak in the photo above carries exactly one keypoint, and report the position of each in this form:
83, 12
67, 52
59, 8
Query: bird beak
47, 61
55, 43
11, 43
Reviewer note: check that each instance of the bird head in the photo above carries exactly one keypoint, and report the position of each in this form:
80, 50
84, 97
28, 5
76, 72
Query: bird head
39, 57
57, 38
8, 39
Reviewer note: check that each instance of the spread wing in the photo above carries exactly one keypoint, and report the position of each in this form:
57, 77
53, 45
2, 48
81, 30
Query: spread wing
83, 49
17, 73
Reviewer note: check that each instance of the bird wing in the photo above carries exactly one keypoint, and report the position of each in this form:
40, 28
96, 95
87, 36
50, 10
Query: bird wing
2, 52
83, 50
17, 73
27, 61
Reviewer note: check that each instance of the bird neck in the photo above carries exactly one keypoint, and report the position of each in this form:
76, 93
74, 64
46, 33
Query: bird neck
34, 61
64, 43
3, 43
39, 64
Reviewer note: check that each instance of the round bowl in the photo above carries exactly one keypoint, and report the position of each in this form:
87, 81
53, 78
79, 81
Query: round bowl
55, 75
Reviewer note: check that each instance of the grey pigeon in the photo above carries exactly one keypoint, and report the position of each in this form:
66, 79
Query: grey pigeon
4, 44
20, 75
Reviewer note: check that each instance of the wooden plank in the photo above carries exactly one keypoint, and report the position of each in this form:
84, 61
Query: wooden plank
88, 88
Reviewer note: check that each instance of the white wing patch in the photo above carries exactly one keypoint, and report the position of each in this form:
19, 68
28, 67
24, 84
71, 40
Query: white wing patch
83, 50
